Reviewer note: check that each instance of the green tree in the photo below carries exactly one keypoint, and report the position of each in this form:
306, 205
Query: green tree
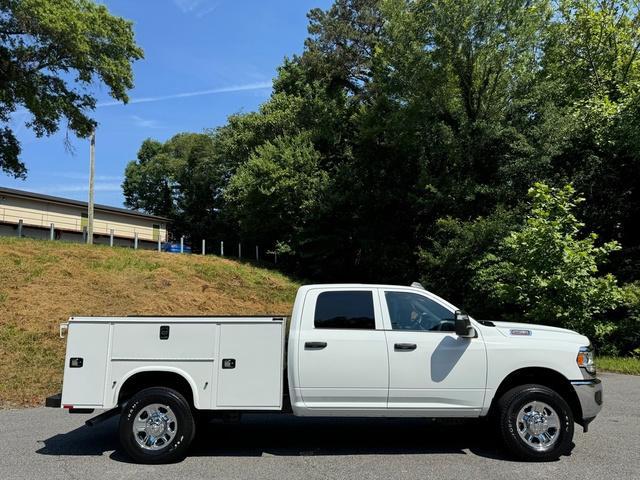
547, 271
278, 192
447, 266
181, 179
50, 53
592, 87
457, 70
150, 180
340, 50
426, 123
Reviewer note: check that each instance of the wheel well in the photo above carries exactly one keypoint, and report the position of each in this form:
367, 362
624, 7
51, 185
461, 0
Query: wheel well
541, 376
142, 380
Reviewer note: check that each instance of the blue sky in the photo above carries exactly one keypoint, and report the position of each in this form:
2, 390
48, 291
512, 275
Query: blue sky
204, 60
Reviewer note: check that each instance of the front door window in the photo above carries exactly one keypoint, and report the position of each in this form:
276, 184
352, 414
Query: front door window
410, 311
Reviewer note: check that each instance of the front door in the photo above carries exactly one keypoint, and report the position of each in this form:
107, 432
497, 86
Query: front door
343, 361
430, 367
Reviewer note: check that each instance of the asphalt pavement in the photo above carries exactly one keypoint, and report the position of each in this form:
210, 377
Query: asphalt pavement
51, 444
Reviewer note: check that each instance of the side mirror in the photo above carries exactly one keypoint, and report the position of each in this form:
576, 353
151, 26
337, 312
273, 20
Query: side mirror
463, 325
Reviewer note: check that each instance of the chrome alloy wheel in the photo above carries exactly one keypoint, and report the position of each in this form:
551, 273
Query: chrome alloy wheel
538, 425
154, 426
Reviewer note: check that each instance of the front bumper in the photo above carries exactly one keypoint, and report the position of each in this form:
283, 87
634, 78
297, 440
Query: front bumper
589, 394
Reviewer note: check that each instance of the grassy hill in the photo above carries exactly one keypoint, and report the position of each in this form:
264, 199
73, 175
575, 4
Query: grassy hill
44, 283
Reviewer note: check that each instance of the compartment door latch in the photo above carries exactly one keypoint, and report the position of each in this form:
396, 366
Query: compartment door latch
164, 332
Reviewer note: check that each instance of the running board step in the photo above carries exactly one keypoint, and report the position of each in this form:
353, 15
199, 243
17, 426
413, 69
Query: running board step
102, 417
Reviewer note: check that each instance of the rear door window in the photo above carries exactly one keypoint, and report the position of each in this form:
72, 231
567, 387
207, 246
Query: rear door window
345, 310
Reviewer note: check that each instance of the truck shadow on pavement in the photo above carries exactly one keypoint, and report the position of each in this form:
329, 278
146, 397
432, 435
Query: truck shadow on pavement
280, 435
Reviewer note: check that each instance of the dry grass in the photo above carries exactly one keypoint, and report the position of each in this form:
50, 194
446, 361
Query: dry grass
44, 283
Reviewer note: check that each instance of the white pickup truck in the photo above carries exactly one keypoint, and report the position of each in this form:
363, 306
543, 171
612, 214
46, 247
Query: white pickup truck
352, 350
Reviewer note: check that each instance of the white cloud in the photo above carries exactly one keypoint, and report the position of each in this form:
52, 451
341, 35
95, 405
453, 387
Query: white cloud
82, 187
206, 11
85, 176
197, 93
20, 113
200, 8
145, 122
187, 5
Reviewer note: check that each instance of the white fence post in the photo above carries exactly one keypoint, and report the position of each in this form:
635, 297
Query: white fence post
111, 237
52, 232
257, 254
159, 244
222, 248
135, 241
20, 228
239, 250
182, 244
203, 246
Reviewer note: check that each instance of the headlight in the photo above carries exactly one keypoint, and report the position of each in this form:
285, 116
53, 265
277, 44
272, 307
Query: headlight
586, 359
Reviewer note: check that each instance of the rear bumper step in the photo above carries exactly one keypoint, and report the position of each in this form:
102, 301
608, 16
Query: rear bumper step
54, 401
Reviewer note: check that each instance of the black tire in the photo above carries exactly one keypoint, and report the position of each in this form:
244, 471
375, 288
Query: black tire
516, 399
185, 429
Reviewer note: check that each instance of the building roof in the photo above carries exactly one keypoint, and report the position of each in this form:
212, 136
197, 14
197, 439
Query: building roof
77, 203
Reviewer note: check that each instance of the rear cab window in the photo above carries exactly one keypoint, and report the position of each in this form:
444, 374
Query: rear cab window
345, 309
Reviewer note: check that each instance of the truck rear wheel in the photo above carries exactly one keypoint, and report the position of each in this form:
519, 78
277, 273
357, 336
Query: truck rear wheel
156, 426
535, 422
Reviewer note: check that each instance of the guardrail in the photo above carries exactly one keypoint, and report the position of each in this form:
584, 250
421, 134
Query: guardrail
135, 242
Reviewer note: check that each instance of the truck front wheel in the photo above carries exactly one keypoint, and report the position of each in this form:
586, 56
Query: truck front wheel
535, 422
156, 426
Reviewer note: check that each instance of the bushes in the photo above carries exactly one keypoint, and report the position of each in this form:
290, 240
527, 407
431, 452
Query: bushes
619, 332
542, 269
447, 265
547, 271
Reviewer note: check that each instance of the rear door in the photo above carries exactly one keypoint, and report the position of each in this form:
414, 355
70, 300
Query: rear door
343, 360
430, 367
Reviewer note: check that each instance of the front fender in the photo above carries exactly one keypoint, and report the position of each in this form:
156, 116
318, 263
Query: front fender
506, 357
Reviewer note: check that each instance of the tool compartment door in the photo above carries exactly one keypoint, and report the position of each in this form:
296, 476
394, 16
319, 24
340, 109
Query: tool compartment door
250, 366
85, 364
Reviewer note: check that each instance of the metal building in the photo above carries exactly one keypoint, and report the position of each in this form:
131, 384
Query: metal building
41, 216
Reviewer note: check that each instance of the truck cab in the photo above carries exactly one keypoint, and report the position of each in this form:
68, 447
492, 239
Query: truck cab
387, 351
351, 350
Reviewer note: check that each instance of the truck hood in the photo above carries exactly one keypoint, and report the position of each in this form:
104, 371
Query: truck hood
540, 332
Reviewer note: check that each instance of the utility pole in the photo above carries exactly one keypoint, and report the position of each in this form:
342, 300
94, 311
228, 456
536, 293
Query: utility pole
92, 162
